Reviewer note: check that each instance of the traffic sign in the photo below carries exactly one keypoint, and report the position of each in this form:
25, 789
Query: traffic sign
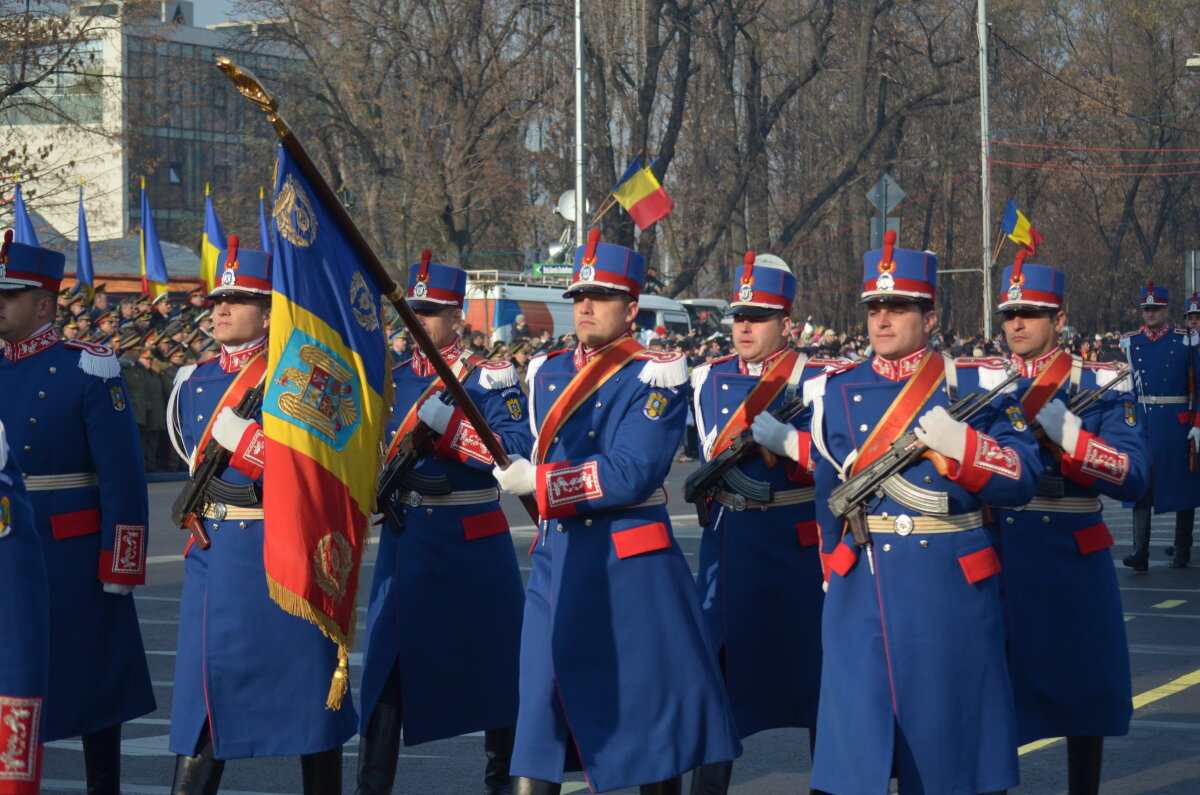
885, 194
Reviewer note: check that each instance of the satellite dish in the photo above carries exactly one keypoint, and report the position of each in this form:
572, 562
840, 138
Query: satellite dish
566, 206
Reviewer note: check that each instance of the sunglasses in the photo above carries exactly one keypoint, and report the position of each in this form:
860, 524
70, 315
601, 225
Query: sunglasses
1026, 314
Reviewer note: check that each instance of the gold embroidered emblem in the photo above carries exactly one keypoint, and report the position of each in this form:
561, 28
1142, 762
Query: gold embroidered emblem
332, 563
362, 304
5, 517
655, 405
324, 400
294, 214
1016, 417
514, 407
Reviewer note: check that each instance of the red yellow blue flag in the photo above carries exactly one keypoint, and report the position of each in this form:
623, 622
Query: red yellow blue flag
212, 243
22, 224
640, 194
325, 408
1019, 230
154, 268
84, 273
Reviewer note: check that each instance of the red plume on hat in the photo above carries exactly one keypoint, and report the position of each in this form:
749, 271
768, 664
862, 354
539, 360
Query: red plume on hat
886, 262
1017, 277
423, 271
589, 253
231, 251
748, 268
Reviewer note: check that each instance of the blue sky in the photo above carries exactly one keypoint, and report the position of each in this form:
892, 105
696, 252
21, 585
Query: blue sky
209, 12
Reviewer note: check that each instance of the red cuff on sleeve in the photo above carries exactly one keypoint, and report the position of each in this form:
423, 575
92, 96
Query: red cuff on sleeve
842, 559
801, 471
125, 563
808, 533
20, 730
561, 485
250, 456
984, 457
1092, 459
461, 441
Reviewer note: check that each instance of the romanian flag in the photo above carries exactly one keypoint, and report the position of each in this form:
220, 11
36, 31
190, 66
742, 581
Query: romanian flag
154, 267
640, 194
264, 228
83, 253
324, 412
1019, 230
22, 225
212, 243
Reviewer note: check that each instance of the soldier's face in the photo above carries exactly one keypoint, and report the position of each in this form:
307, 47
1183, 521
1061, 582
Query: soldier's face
601, 317
1154, 316
756, 338
22, 312
898, 329
237, 320
1030, 332
441, 324
1193, 320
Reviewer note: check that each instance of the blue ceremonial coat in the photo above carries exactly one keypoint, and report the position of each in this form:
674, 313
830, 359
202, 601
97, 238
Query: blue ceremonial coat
447, 597
257, 674
67, 414
914, 673
1160, 373
613, 650
25, 624
1067, 652
760, 573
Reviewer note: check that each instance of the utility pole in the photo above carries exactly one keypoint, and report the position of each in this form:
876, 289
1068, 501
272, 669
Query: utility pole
580, 194
985, 177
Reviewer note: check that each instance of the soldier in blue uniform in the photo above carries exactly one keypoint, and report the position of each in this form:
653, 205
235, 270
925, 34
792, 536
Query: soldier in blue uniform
250, 679
24, 655
1067, 653
617, 672
914, 681
759, 564
1166, 373
73, 434
444, 622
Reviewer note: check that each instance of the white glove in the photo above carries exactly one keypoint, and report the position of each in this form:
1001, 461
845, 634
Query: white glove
118, 589
519, 478
776, 436
1060, 424
1194, 438
943, 434
229, 428
436, 414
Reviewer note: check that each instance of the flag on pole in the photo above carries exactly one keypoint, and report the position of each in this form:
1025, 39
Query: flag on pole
1019, 230
325, 409
212, 243
83, 252
264, 228
640, 194
22, 224
154, 267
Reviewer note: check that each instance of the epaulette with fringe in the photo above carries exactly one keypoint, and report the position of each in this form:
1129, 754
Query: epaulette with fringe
700, 372
666, 369
536, 363
95, 359
828, 361
1133, 333
497, 375
991, 370
1106, 372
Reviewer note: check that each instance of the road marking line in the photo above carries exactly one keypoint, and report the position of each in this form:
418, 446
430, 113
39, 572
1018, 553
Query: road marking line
1129, 618
1169, 603
1139, 701
1165, 615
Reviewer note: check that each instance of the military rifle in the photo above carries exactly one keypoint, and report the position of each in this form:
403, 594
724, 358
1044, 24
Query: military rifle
189, 506
700, 486
1081, 402
397, 475
848, 501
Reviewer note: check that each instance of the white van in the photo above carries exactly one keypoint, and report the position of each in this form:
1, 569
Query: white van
495, 298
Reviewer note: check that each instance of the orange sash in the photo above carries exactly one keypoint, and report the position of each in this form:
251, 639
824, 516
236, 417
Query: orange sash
250, 376
762, 395
459, 368
1046, 385
582, 386
912, 398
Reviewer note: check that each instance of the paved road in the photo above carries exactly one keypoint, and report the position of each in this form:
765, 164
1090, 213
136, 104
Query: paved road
1160, 755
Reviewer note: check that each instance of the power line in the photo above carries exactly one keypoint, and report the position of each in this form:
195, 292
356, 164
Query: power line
1086, 148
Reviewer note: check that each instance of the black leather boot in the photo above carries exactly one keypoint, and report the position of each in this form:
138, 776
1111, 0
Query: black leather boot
671, 786
534, 786
199, 774
102, 761
379, 751
712, 779
322, 772
498, 746
1083, 765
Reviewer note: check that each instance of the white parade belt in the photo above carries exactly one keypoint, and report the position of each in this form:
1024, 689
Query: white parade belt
790, 497
1062, 505
1158, 400
475, 497
72, 480
231, 513
905, 524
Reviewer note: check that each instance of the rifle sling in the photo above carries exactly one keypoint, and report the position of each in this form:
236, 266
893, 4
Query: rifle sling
252, 375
